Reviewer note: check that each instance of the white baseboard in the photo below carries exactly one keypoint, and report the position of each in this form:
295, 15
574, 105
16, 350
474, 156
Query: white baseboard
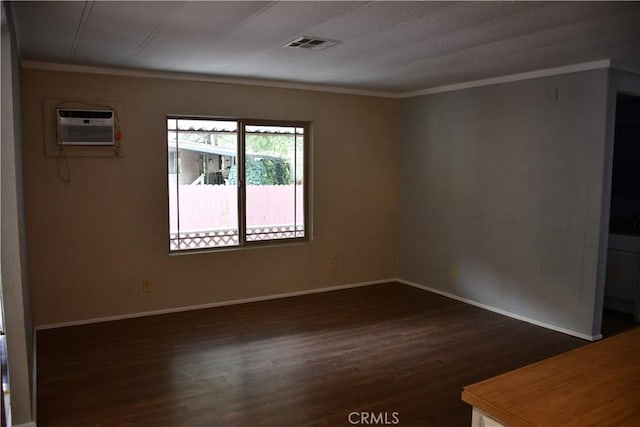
503, 312
209, 305
317, 291
29, 424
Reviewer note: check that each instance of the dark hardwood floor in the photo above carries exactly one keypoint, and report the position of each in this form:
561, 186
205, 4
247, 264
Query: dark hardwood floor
301, 361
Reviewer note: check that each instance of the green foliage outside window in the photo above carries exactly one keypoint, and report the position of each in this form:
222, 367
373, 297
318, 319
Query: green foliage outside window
263, 171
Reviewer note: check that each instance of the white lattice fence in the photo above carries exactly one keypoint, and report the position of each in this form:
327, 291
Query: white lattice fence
229, 237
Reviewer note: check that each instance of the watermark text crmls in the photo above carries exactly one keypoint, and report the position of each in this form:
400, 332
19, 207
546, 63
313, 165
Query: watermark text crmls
374, 418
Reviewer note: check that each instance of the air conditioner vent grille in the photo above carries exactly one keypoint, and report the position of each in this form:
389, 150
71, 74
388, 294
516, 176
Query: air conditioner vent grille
85, 127
312, 43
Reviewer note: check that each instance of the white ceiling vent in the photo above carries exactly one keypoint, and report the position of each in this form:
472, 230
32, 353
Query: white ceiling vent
313, 43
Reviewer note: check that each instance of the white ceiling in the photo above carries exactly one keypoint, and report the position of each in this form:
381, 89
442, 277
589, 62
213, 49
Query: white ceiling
393, 47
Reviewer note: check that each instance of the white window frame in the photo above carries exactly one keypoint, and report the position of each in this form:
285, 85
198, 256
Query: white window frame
241, 185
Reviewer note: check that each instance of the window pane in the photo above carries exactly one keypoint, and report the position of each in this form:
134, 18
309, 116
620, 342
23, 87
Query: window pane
299, 181
274, 170
203, 203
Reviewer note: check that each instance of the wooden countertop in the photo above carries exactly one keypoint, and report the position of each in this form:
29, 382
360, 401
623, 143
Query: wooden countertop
595, 385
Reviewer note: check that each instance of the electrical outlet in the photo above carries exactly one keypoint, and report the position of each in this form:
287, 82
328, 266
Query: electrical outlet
333, 264
146, 286
454, 273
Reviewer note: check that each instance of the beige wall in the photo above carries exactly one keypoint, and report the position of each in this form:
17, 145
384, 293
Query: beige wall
94, 240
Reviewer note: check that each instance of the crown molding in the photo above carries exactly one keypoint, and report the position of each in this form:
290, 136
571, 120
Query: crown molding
575, 68
127, 72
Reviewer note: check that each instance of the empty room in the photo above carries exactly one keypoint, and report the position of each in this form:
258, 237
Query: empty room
319, 213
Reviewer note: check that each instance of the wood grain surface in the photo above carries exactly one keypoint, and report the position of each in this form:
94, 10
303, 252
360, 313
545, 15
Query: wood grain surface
596, 385
301, 361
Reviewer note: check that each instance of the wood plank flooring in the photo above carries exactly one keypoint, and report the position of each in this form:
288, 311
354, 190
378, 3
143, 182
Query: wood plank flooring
302, 361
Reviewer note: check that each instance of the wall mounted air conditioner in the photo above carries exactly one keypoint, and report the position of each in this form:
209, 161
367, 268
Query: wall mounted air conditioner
85, 127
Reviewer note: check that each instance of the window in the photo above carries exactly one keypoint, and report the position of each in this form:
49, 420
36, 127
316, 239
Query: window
236, 182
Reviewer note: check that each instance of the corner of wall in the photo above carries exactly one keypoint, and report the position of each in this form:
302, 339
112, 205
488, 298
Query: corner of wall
15, 291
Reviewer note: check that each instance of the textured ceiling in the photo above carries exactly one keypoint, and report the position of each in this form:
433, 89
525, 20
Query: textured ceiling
393, 47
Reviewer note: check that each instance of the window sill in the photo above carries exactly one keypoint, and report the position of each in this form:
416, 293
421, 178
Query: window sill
274, 244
